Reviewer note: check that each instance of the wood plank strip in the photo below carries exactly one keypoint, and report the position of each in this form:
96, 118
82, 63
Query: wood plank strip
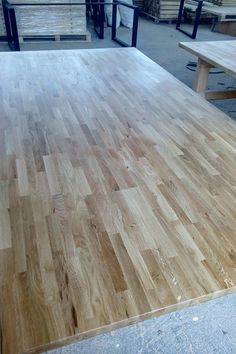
117, 196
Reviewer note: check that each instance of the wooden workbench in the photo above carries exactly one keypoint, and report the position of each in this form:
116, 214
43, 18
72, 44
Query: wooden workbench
213, 54
118, 195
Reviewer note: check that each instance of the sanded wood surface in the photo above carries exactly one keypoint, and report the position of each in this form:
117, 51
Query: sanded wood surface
117, 195
212, 54
46, 20
221, 54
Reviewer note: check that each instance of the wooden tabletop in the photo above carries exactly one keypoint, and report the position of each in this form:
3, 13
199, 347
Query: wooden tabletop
220, 54
117, 195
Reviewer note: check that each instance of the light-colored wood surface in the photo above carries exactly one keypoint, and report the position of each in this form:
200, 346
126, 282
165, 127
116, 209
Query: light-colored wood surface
211, 10
220, 95
228, 27
35, 21
201, 77
223, 13
161, 9
117, 190
218, 54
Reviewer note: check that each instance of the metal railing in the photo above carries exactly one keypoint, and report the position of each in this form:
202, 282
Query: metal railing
11, 26
134, 28
196, 21
98, 20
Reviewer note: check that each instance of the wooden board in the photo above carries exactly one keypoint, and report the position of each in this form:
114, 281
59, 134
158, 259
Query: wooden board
49, 38
138, 3
50, 20
225, 2
117, 192
228, 27
63, 20
162, 9
2, 23
220, 54
224, 13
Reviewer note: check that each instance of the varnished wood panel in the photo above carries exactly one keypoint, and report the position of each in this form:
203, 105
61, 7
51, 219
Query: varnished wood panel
221, 54
117, 190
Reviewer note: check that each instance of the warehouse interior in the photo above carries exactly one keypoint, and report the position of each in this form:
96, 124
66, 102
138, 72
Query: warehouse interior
117, 177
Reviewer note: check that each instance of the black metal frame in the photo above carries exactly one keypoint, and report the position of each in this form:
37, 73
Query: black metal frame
196, 21
11, 26
98, 18
134, 28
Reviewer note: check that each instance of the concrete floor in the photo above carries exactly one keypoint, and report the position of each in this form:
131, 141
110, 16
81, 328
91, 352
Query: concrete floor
208, 328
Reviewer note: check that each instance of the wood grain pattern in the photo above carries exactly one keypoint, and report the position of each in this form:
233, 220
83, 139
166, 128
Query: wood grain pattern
61, 20
2, 23
212, 54
220, 54
117, 195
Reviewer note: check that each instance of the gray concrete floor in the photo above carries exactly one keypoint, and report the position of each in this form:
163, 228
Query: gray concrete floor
208, 328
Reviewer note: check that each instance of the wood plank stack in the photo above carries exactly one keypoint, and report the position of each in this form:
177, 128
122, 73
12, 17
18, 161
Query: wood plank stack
162, 9
169, 9
151, 7
40, 21
2, 23
138, 3
225, 2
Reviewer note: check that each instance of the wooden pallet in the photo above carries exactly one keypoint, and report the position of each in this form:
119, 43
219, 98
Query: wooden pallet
56, 38
151, 8
162, 9
225, 27
158, 19
168, 9
50, 20
2, 24
138, 3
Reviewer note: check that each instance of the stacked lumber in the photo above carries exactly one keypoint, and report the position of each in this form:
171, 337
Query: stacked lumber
151, 7
225, 2
162, 9
210, 10
39, 21
2, 23
169, 9
138, 3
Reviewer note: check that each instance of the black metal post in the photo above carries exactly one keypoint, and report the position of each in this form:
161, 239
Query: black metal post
11, 26
101, 19
15, 37
7, 22
180, 14
135, 24
135, 28
197, 19
114, 15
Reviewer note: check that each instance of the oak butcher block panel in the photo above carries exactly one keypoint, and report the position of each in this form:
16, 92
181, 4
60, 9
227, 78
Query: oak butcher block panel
117, 195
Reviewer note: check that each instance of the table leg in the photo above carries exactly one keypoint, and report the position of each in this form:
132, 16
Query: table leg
201, 79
